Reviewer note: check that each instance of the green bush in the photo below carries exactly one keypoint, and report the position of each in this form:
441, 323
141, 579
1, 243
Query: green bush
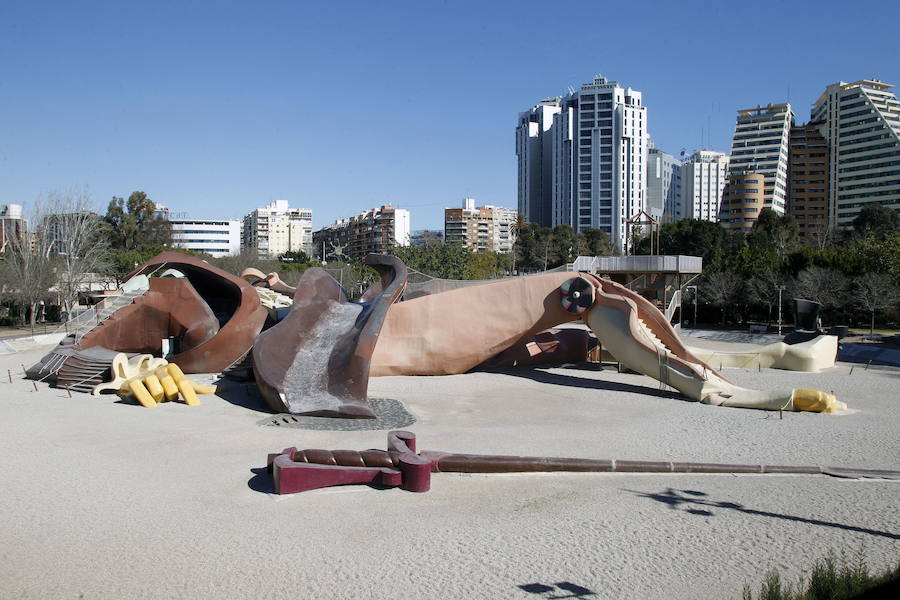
831, 579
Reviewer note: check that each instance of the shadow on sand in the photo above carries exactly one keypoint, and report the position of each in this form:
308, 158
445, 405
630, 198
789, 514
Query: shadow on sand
698, 503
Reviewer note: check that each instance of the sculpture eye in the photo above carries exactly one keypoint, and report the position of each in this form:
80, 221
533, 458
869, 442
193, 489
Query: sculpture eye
577, 295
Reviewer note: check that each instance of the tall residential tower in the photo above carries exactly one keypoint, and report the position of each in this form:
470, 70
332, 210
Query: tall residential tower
758, 169
598, 143
703, 178
860, 121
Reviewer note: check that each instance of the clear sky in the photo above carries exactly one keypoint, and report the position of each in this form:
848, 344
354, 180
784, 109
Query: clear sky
214, 108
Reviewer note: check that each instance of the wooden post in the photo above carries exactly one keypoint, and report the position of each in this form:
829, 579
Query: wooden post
867, 365
9, 373
69, 391
34, 383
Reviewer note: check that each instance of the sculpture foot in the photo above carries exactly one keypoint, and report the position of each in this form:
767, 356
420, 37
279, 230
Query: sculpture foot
794, 400
344, 411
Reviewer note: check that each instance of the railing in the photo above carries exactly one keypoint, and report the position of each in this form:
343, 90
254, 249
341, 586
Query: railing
632, 264
99, 312
673, 305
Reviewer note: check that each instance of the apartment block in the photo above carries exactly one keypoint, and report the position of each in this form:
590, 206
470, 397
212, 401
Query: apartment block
12, 224
808, 181
664, 174
598, 146
703, 179
860, 123
759, 148
276, 228
481, 229
534, 150
374, 231
214, 237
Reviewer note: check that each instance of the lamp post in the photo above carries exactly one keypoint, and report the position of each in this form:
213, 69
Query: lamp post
780, 289
694, 287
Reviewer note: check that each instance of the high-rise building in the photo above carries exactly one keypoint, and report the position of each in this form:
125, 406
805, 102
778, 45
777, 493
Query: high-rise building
276, 228
664, 174
483, 229
759, 148
215, 237
12, 224
599, 158
703, 178
808, 182
534, 150
860, 121
375, 231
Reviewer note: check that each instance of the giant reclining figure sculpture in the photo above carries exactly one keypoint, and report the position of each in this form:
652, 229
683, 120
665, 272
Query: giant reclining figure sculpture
317, 361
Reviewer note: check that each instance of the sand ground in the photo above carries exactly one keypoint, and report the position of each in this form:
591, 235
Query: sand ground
106, 499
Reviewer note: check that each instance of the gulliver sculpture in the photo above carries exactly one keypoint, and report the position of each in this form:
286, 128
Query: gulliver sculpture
455, 331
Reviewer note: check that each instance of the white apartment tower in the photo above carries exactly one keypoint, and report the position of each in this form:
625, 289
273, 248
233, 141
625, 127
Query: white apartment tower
534, 150
703, 178
276, 228
861, 124
598, 143
758, 169
664, 174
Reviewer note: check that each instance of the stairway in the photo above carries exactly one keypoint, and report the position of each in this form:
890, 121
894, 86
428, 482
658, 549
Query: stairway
91, 318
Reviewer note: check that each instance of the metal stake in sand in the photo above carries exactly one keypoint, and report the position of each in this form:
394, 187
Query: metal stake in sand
867, 365
34, 383
9, 373
69, 390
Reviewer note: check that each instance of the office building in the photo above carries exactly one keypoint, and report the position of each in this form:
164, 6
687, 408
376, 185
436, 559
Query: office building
276, 228
481, 229
664, 174
808, 182
598, 145
214, 237
860, 122
374, 231
759, 149
703, 178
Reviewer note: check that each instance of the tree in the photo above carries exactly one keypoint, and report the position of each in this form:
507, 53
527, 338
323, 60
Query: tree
596, 243
763, 289
826, 286
721, 289
778, 231
876, 219
27, 270
443, 261
136, 223
76, 243
874, 292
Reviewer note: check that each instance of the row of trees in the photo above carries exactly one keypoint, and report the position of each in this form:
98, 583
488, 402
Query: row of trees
855, 275
853, 272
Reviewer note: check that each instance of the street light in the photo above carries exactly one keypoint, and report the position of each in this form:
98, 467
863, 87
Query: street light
780, 289
694, 287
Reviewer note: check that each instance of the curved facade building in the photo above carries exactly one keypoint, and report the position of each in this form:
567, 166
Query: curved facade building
742, 200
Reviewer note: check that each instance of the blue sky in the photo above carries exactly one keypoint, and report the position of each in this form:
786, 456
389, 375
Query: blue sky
214, 108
